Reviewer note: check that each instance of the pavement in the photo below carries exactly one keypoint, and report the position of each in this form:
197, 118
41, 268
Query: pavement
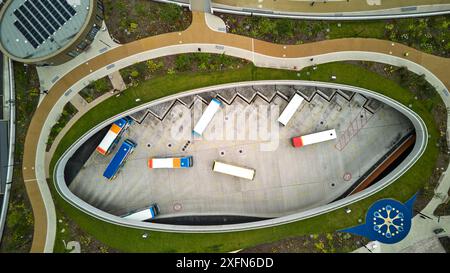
117, 81
285, 181
198, 34
79, 102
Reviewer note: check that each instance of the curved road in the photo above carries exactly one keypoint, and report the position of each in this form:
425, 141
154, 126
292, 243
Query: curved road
198, 33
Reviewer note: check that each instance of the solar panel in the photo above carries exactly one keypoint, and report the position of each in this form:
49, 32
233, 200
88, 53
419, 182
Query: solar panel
35, 23
68, 7
52, 10
41, 19
47, 15
25, 33
37, 20
61, 10
28, 26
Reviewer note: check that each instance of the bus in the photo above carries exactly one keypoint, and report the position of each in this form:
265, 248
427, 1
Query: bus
207, 116
170, 163
113, 136
119, 159
313, 138
143, 214
232, 170
290, 109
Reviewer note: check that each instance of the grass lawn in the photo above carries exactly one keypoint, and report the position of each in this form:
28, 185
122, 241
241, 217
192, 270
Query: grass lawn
129, 239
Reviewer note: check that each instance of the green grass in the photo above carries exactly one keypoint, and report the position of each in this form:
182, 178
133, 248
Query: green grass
365, 29
129, 239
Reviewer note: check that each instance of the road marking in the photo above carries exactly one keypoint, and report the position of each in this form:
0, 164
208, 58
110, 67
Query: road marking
30, 180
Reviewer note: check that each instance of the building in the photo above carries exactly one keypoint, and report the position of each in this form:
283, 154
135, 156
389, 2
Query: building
48, 32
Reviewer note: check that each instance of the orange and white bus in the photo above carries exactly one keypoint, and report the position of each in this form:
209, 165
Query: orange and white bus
170, 163
113, 136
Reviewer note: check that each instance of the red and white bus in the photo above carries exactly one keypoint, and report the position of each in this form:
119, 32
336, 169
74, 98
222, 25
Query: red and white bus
301, 141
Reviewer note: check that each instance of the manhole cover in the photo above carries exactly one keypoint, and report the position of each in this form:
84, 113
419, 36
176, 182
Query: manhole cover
177, 207
347, 176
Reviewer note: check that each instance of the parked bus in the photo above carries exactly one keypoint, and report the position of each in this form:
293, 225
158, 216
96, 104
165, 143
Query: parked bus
143, 214
170, 163
290, 109
207, 116
119, 159
313, 138
234, 170
113, 136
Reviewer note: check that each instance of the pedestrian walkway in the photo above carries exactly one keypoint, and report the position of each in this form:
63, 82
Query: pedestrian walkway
201, 5
79, 102
196, 36
117, 81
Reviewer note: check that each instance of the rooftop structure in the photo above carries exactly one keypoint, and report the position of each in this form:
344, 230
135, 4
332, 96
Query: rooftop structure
48, 32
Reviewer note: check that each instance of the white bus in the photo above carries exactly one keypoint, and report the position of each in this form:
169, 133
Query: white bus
113, 136
143, 214
313, 138
207, 116
170, 163
234, 170
290, 109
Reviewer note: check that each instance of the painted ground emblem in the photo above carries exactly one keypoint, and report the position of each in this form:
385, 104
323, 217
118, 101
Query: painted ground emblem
387, 221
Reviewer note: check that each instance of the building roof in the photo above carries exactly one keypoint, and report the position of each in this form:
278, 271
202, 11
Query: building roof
39, 28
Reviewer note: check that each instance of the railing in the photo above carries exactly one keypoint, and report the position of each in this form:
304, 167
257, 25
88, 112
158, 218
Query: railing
12, 135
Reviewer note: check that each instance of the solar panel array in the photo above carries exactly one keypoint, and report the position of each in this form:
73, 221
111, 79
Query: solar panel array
37, 20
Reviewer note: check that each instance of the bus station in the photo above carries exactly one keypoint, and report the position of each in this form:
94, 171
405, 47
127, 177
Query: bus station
266, 175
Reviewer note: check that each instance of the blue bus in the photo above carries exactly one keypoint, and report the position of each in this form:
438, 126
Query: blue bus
119, 159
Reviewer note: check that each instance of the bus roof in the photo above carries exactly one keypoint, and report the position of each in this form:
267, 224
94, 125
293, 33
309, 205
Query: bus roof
142, 215
206, 117
117, 160
111, 136
290, 109
234, 170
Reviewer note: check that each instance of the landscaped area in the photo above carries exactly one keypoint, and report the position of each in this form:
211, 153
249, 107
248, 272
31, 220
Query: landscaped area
18, 233
68, 112
96, 89
128, 239
171, 65
130, 20
430, 34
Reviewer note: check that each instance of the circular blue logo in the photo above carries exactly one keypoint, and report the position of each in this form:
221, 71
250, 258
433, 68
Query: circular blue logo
388, 221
